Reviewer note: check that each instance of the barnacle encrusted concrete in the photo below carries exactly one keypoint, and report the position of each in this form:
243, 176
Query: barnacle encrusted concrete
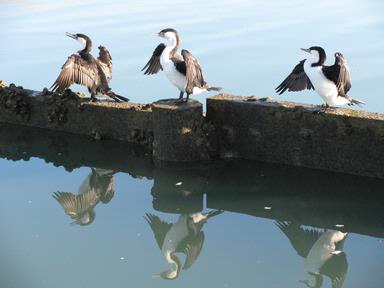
342, 140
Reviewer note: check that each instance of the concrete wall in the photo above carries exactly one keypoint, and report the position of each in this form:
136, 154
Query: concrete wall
341, 140
120, 121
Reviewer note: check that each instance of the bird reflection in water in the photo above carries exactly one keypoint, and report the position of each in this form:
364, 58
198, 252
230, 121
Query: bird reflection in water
184, 236
97, 187
322, 253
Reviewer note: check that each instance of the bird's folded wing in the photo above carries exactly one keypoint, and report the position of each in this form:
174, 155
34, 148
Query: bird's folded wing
344, 82
336, 269
191, 247
193, 72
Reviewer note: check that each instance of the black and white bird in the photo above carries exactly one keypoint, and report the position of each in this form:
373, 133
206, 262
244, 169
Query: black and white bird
97, 186
83, 69
332, 83
183, 70
184, 236
322, 253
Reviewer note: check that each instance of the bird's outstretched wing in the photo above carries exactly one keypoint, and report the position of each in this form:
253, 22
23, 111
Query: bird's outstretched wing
77, 70
153, 65
191, 247
339, 74
193, 72
296, 81
336, 269
105, 62
301, 239
159, 228
76, 205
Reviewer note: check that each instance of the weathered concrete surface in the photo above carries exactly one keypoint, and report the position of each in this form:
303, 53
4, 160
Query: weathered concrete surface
178, 131
109, 120
342, 140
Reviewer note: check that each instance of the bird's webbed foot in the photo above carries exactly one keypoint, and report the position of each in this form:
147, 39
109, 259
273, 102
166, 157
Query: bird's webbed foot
93, 97
323, 108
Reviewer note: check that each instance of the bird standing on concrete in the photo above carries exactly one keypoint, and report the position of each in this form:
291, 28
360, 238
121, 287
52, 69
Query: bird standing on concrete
183, 70
83, 69
332, 83
322, 253
184, 236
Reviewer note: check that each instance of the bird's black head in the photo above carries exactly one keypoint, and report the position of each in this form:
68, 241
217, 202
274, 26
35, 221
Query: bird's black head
171, 36
174, 272
83, 39
167, 30
318, 55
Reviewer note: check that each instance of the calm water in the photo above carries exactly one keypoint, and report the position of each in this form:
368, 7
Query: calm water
241, 247
248, 47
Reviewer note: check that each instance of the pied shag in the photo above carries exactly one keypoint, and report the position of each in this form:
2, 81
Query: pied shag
184, 236
332, 83
97, 186
183, 70
83, 69
322, 253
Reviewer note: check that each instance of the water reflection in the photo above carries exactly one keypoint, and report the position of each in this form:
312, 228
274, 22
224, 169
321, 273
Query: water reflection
322, 252
311, 197
292, 198
97, 187
183, 236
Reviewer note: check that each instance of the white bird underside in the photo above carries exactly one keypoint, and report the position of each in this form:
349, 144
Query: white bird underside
178, 79
175, 235
323, 249
324, 87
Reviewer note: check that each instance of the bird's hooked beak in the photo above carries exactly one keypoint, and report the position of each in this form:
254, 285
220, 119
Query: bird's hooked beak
306, 50
71, 35
159, 34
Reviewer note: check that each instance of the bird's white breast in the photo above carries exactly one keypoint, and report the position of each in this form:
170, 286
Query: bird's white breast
322, 250
324, 87
175, 235
176, 78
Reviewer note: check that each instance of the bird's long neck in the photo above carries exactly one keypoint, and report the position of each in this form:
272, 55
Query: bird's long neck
317, 59
174, 270
88, 47
173, 44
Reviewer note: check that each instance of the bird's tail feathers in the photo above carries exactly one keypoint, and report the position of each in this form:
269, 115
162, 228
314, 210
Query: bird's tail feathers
214, 213
355, 101
213, 88
116, 97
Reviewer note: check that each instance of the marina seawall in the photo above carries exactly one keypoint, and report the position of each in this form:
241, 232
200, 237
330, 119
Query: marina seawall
234, 127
